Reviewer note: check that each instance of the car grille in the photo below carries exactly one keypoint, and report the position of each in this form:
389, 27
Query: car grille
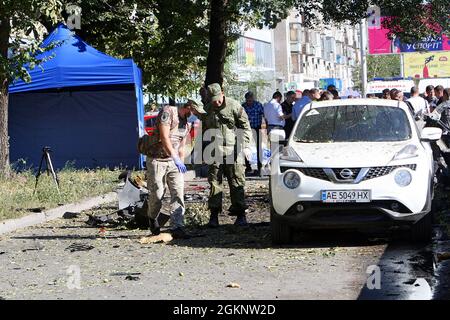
317, 173
376, 172
355, 172
373, 172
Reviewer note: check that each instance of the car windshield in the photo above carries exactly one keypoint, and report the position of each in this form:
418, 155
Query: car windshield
353, 123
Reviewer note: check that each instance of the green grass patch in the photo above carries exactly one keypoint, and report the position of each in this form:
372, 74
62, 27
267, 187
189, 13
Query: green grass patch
17, 198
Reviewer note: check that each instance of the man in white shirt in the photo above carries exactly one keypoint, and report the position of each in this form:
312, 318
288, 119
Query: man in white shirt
419, 104
273, 113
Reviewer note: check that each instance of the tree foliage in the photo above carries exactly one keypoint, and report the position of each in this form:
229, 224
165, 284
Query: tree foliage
18, 19
167, 38
383, 66
178, 43
409, 20
21, 20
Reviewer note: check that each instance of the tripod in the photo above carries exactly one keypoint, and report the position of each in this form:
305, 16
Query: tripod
49, 168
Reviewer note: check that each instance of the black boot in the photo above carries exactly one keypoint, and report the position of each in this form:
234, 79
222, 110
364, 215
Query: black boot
213, 219
241, 221
154, 227
180, 233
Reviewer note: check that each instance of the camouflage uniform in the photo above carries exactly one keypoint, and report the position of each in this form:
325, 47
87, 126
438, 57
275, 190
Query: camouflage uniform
225, 120
161, 169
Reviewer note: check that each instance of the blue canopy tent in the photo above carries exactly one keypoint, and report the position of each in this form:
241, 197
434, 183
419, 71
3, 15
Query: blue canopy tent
85, 105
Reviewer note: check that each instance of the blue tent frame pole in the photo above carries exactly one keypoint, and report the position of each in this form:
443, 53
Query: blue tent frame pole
140, 106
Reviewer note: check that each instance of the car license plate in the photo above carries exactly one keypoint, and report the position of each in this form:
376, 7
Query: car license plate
345, 196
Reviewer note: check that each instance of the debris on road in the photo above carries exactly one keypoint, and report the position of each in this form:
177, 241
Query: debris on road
132, 278
443, 256
79, 247
37, 246
132, 209
70, 215
233, 285
102, 232
30, 249
125, 274
36, 210
132, 193
195, 198
160, 238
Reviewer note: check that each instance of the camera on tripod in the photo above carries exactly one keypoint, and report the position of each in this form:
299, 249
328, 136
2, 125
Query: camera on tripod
49, 168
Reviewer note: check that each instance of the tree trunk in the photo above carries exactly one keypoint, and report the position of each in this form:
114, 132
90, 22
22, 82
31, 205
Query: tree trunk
5, 30
217, 42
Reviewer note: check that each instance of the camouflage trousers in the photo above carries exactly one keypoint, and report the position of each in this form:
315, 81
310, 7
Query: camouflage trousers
235, 174
160, 173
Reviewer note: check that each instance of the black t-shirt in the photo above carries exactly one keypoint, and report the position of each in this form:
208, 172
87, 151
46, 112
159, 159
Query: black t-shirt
289, 124
287, 108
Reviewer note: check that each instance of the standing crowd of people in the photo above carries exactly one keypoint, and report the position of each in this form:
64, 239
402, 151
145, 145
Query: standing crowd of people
165, 149
419, 104
279, 114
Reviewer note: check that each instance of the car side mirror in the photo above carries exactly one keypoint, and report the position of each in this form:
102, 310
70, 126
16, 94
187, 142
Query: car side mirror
277, 136
431, 134
277, 139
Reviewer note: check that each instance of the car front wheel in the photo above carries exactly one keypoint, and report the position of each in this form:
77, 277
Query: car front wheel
421, 231
281, 231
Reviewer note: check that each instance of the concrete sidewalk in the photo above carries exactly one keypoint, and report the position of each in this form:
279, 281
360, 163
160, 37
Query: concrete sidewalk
52, 214
36, 218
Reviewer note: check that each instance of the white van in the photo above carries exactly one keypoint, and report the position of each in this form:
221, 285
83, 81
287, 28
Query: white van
445, 82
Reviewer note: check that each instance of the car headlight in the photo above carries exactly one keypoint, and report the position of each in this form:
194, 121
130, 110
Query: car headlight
291, 179
403, 178
409, 151
289, 154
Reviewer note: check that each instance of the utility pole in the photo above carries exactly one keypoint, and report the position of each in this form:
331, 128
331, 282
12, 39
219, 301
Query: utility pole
402, 65
363, 42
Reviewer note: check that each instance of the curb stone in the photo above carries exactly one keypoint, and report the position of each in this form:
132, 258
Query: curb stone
52, 214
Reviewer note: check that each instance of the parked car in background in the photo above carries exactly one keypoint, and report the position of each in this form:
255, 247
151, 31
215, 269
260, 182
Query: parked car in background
445, 82
150, 122
193, 127
353, 164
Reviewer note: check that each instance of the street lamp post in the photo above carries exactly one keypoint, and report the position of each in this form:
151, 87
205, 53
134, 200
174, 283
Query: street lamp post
363, 42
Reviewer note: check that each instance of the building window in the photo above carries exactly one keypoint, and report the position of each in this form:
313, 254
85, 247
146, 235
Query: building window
295, 63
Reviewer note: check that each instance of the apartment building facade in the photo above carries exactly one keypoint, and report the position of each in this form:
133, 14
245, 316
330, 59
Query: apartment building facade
292, 57
305, 56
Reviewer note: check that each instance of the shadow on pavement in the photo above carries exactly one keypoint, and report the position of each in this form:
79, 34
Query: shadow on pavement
257, 235
77, 237
410, 272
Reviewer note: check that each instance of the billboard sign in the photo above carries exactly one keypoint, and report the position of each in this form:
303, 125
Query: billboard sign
379, 42
427, 65
250, 57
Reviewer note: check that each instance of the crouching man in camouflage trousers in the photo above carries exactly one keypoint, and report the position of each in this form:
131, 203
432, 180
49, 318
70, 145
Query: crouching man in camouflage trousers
225, 116
165, 165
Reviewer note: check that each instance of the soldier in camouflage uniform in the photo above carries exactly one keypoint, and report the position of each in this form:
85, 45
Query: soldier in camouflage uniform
225, 115
165, 165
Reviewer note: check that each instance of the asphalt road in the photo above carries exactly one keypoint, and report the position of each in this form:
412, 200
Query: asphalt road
67, 259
